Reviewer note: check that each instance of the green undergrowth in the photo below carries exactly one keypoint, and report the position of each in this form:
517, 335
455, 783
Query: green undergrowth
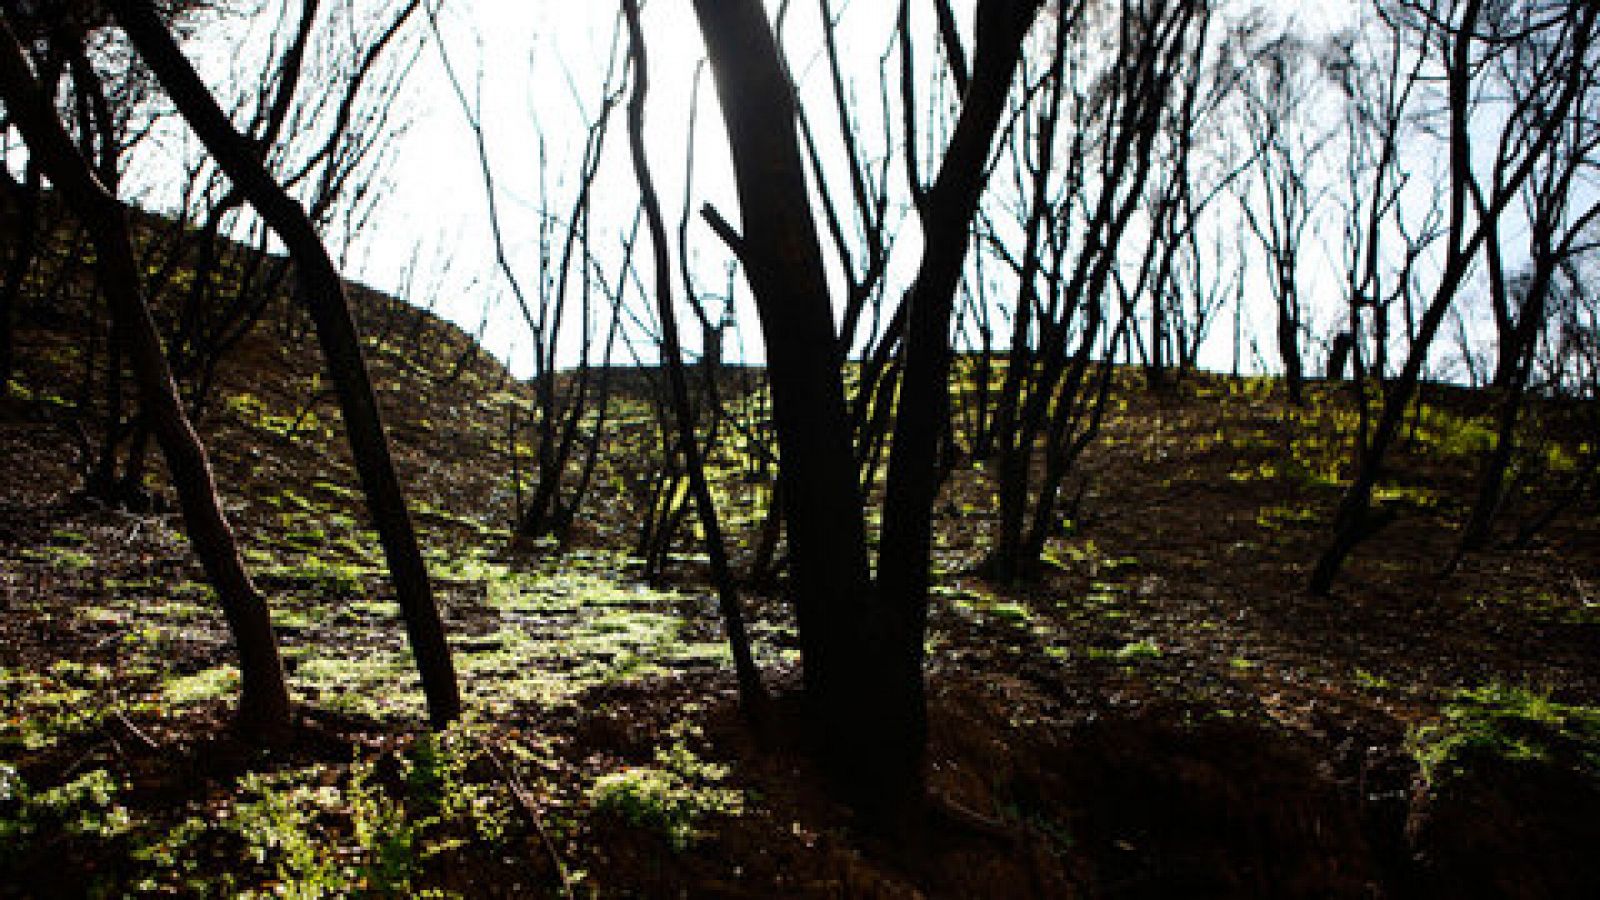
84, 809
39, 711
375, 825
1498, 723
528, 637
545, 636
672, 797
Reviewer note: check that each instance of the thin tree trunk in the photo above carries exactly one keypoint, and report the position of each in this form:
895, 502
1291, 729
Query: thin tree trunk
924, 399
23, 251
752, 696
820, 493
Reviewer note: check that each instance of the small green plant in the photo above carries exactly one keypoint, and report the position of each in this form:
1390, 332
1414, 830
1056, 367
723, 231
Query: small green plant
1511, 724
68, 538
174, 854
390, 840
1133, 651
1014, 613
671, 797
280, 830
84, 808
437, 787
1372, 682
14, 828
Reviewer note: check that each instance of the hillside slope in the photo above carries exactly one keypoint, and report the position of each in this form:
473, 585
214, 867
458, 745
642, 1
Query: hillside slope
1166, 713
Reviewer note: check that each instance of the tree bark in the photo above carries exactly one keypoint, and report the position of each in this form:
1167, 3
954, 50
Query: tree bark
752, 696
924, 400
822, 501
25, 245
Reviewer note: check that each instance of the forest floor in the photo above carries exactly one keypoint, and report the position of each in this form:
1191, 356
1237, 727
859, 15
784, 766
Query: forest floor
1167, 712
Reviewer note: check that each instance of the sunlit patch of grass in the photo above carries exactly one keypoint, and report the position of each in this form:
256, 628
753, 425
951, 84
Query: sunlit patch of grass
987, 606
380, 683
38, 710
1276, 517
1087, 557
216, 683
1412, 497
1576, 607
1013, 613
251, 411
66, 559
1370, 681
1451, 435
1131, 652
568, 627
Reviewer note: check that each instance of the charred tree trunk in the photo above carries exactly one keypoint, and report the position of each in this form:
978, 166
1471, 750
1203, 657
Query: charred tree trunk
947, 213
821, 496
752, 696
24, 247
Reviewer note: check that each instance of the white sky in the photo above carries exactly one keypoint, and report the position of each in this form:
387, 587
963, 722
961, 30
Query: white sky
541, 63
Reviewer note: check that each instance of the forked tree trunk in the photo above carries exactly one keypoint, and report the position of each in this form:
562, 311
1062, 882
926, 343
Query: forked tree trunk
821, 497
914, 476
862, 648
322, 291
264, 697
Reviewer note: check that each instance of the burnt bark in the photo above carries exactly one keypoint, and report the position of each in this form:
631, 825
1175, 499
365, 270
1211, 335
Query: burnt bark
821, 497
752, 696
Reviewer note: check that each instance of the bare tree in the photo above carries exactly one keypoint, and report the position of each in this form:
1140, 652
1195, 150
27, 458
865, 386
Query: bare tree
322, 291
1281, 106
562, 399
1561, 214
751, 693
264, 707
861, 643
1052, 399
1459, 36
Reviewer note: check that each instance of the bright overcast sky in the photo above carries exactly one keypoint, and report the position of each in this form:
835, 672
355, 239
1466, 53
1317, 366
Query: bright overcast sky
543, 62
